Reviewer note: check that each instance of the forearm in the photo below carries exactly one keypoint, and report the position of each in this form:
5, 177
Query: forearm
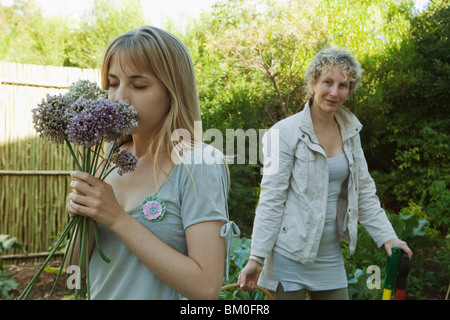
265, 232
371, 214
183, 273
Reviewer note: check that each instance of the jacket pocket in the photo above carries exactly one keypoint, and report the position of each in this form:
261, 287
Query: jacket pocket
304, 165
292, 235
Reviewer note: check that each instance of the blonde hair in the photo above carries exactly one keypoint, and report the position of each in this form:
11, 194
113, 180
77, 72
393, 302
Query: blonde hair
164, 55
325, 60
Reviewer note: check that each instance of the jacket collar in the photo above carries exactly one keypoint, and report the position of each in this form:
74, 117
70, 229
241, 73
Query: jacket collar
348, 123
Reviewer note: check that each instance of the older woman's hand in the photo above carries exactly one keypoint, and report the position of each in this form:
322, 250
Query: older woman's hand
249, 276
397, 243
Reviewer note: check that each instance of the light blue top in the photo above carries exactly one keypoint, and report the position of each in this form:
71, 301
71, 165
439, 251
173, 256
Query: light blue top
327, 272
192, 195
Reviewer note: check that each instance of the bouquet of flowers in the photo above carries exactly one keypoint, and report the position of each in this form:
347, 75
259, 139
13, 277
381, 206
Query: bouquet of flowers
85, 121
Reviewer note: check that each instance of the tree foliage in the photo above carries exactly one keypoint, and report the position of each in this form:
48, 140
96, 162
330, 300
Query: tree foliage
415, 140
29, 37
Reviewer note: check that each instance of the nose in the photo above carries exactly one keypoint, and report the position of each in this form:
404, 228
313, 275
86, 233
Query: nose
333, 91
118, 94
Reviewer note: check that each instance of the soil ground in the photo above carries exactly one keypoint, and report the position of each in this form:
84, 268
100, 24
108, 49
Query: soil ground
24, 272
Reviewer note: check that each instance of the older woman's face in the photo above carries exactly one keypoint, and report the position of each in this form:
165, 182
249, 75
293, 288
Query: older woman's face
331, 90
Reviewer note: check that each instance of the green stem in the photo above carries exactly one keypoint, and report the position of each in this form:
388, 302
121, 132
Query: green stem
108, 155
74, 236
88, 283
75, 158
83, 160
96, 157
97, 243
107, 174
88, 160
27, 290
69, 244
81, 249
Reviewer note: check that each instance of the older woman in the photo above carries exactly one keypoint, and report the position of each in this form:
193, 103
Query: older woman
321, 190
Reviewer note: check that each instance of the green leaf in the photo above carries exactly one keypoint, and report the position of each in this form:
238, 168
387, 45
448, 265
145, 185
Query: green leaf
6, 242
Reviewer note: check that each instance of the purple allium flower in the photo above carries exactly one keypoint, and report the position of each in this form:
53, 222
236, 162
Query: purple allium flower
125, 161
100, 118
84, 130
52, 116
79, 118
114, 119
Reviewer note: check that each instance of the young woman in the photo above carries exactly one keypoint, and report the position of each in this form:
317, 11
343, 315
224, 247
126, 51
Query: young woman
183, 251
320, 192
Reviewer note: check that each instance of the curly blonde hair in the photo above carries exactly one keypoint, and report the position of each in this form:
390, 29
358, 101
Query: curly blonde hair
325, 60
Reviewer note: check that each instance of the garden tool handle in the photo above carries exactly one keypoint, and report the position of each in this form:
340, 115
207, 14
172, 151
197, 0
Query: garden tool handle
402, 276
391, 272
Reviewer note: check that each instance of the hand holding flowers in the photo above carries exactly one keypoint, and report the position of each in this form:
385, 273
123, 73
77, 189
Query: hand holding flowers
93, 198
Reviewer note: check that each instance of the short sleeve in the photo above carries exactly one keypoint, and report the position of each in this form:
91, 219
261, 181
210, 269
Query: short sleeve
203, 193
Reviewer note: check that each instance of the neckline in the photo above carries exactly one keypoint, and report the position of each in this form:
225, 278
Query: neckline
156, 192
335, 157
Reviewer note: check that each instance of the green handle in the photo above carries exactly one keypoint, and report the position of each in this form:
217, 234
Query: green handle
392, 268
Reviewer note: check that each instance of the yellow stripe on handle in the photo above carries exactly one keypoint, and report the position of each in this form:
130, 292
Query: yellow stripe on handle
386, 294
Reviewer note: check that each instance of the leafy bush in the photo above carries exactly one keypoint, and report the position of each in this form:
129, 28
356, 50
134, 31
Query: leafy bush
7, 282
410, 227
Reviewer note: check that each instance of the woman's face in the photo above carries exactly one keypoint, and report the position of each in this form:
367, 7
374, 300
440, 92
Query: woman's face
331, 90
142, 90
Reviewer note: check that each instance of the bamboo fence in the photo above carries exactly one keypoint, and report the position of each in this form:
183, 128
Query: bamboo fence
34, 176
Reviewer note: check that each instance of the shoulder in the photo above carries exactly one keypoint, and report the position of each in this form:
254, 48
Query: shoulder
201, 154
284, 134
348, 120
286, 128
292, 122
201, 163
202, 185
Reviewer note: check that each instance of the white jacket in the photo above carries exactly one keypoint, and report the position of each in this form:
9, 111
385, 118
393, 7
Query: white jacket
290, 215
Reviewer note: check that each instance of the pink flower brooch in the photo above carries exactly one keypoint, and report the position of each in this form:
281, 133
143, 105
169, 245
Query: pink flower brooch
153, 209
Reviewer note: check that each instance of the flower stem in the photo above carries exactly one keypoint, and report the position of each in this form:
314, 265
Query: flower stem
74, 237
108, 156
96, 157
86, 249
27, 290
80, 249
75, 158
97, 243
69, 244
